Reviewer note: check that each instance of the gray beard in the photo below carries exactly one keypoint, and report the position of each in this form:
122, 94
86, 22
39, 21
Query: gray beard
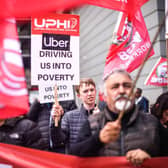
123, 105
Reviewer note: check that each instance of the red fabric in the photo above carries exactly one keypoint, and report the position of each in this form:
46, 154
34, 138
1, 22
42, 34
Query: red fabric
128, 6
20, 157
159, 74
129, 49
101, 96
20, 8
15, 100
13, 91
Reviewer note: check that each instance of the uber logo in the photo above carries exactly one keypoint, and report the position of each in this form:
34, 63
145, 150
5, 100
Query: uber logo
55, 42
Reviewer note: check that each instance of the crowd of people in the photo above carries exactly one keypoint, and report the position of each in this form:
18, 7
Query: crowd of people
139, 133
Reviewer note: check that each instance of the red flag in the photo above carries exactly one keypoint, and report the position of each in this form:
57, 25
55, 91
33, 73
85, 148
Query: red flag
128, 6
20, 8
129, 46
159, 74
13, 92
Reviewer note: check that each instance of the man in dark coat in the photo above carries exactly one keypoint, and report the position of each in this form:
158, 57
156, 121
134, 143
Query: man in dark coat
20, 131
104, 134
41, 114
141, 101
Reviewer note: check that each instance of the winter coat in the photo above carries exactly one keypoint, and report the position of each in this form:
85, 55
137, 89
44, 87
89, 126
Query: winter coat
143, 104
22, 132
40, 113
163, 140
139, 130
71, 124
68, 105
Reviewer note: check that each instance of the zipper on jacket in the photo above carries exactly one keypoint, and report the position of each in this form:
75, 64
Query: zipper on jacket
122, 152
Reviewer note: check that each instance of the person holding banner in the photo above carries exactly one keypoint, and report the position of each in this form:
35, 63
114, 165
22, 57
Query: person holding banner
67, 131
41, 114
114, 133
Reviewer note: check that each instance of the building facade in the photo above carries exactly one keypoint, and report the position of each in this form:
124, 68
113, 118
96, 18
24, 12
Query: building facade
96, 28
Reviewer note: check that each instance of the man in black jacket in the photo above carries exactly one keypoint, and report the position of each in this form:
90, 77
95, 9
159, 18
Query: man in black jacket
41, 114
105, 134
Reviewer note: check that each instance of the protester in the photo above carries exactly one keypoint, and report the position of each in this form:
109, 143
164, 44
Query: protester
103, 134
67, 131
68, 105
41, 114
142, 101
20, 131
160, 110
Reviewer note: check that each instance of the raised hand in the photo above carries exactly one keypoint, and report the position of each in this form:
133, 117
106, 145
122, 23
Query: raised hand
110, 132
57, 110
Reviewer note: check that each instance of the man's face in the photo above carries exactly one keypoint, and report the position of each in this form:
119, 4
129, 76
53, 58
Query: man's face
137, 94
117, 86
87, 93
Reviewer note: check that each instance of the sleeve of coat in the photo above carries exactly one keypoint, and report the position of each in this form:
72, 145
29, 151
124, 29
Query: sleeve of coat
31, 134
34, 110
60, 134
87, 144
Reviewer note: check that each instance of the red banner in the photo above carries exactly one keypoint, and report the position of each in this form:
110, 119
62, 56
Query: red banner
129, 45
127, 6
20, 8
159, 74
13, 91
20, 157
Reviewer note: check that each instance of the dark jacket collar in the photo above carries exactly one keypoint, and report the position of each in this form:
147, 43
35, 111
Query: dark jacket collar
86, 112
128, 118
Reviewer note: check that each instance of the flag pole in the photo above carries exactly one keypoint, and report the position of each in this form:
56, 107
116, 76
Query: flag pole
142, 65
56, 103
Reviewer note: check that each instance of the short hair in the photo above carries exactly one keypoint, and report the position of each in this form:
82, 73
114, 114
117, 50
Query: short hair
139, 90
160, 105
87, 81
120, 71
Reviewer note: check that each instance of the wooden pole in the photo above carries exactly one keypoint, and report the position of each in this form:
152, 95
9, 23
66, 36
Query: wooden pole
142, 65
56, 104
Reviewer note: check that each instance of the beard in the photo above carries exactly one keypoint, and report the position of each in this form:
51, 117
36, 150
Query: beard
123, 103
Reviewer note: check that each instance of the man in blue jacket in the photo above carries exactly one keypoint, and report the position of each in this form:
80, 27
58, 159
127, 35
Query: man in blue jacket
66, 132
141, 101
